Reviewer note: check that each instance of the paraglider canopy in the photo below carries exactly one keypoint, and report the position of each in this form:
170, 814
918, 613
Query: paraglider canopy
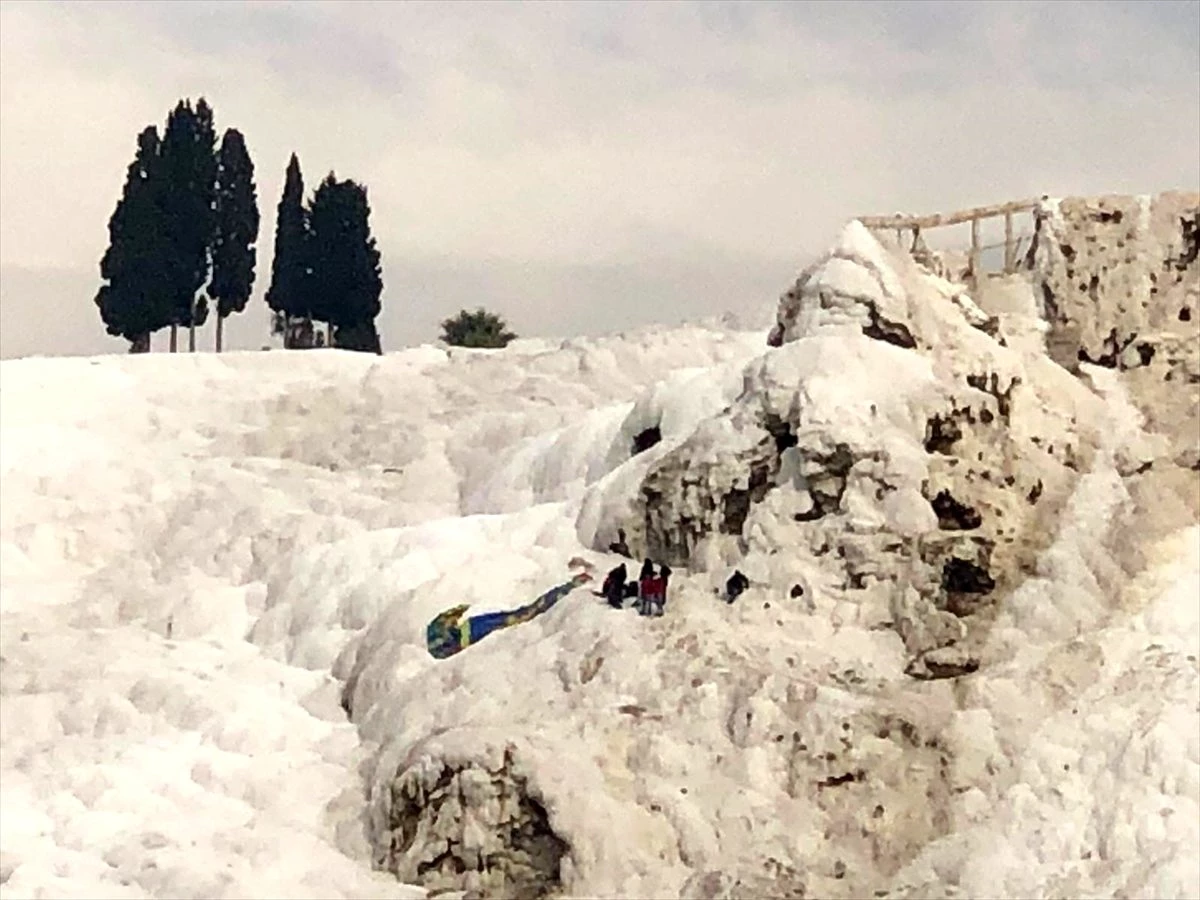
443, 635
448, 634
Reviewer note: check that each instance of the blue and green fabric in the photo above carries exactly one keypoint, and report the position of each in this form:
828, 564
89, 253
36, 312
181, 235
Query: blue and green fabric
448, 634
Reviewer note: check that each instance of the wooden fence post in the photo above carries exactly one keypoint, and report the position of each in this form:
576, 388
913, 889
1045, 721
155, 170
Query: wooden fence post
1010, 252
899, 224
975, 262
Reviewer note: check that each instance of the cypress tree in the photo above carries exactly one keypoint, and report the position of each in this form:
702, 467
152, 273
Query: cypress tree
236, 229
287, 295
135, 300
189, 169
345, 264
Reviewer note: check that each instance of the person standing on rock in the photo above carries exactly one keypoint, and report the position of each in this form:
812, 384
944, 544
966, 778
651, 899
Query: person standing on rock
660, 597
645, 587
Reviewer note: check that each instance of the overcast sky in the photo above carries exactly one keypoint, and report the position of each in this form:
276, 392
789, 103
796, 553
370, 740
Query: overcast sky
580, 167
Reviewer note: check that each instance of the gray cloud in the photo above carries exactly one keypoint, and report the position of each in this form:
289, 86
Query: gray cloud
582, 166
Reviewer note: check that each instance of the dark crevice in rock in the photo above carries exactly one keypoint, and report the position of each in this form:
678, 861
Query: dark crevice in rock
965, 584
990, 384
927, 669
961, 576
1190, 229
1112, 351
1105, 216
1145, 353
646, 439
953, 515
942, 433
1185, 314
735, 506
882, 329
1049, 303
837, 780
781, 430
1035, 492
908, 731
447, 863
827, 490
991, 327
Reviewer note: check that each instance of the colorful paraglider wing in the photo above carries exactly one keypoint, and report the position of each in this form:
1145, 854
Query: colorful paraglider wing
447, 634
443, 635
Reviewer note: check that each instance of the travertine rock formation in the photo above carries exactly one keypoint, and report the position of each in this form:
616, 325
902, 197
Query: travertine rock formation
1119, 283
895, 433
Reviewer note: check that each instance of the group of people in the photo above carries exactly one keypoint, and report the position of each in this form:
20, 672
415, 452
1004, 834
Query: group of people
649, 589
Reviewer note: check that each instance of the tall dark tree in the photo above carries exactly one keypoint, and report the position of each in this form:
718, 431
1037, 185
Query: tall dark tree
288, 293
235, 229
135, 299
344, 263
189, 170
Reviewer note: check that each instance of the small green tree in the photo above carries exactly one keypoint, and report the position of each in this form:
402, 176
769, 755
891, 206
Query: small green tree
477, 329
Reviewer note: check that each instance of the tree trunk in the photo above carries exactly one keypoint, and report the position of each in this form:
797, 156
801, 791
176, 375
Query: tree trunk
173, 338
140, 344
220, 322
192, 328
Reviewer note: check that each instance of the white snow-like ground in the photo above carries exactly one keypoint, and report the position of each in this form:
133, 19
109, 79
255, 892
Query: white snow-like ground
196, 549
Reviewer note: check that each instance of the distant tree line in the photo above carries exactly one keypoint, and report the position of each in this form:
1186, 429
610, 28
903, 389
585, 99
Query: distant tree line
184, 233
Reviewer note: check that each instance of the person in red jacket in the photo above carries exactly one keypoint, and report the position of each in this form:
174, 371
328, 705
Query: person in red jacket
652, 589
645, 587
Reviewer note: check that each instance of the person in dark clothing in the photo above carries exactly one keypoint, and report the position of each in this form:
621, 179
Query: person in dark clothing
613, 589
664, 578
735, 586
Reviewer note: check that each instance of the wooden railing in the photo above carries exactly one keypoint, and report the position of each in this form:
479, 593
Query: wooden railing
915, 224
